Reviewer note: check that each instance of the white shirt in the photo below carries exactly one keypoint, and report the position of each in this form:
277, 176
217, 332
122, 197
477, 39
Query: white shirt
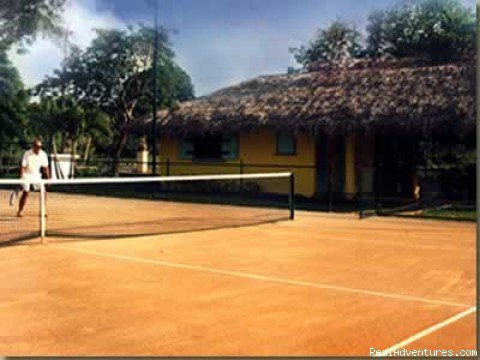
34, 162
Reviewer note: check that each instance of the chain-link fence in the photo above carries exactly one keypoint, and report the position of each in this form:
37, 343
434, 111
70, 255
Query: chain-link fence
10, 156
444, 193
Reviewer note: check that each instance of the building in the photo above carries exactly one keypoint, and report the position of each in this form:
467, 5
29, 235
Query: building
337, 127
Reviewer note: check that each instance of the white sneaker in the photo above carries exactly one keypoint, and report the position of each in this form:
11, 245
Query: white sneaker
13, 197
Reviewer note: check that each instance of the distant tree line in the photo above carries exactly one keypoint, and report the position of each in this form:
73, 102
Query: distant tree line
435, 30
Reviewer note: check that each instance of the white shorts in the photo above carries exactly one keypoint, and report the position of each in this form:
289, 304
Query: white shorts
31, 181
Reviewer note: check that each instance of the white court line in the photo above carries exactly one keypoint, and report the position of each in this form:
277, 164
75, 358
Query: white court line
429, 330
263, 277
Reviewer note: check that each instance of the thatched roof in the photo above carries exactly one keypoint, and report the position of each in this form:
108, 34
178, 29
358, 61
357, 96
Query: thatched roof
366, 95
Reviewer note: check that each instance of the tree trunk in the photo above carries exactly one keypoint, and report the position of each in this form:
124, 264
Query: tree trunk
63, 143
86, 154
122, 140
73, 152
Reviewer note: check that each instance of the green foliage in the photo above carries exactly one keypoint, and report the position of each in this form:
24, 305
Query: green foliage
114, 74
173, 85
440, 30
13, 102
337, 42
450, 213
63, 118
292, 70
440, 155
22, 20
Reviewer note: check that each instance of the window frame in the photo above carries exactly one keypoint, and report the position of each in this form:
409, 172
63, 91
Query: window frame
222, 158
280, 153
182, 155
236, 139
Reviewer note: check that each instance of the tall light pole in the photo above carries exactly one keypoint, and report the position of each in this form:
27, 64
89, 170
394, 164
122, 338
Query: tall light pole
154, 123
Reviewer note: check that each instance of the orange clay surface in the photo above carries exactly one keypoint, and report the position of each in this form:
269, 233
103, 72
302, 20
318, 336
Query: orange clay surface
319, 285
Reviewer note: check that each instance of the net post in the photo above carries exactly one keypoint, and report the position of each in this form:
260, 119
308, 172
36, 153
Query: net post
361, 200
291, 196
329, 193
42, 213
379, 189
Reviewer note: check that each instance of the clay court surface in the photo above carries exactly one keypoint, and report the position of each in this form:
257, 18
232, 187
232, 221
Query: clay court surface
318, 285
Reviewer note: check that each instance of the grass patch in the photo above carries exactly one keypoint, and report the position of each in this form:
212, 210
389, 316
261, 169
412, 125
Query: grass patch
451, 214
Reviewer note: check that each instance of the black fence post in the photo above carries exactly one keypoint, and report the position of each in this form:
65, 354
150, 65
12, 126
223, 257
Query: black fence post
329, 193
167, 167
360, 203
291, 197
379, 188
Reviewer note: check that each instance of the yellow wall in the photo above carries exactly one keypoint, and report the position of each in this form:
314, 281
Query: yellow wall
257, 148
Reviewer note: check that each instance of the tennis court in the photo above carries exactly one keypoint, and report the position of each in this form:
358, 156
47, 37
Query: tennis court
267, 285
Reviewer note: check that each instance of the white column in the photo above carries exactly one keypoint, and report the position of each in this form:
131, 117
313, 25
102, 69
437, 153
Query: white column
142, 157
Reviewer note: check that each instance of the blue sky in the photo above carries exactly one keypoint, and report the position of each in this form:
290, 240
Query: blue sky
218, 42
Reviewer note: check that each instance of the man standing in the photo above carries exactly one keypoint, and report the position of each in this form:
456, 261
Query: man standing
34, 163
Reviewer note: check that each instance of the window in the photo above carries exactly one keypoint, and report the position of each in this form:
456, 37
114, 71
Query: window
229, 147
286, 144
219, 147
207, 148
186, 149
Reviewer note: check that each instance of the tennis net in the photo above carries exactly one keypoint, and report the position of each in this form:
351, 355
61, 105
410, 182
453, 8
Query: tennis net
13, 228
104, 208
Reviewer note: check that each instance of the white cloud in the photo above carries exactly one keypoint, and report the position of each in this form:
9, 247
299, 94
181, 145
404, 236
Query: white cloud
44, 56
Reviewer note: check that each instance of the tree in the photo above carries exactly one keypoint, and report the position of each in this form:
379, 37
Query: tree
13, 102
337, 42
22, 20
175, 85
114, 75
440, 30
64, 120
13, 113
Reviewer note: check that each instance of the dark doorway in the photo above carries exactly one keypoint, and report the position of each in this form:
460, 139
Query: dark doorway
208, 148
395, 164
330, 175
